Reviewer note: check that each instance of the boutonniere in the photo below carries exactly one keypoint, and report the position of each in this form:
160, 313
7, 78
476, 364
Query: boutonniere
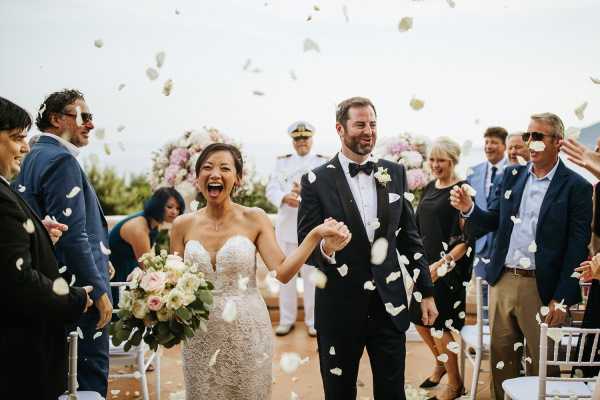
382, 176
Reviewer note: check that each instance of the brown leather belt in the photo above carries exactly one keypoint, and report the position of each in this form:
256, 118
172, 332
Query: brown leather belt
528, 273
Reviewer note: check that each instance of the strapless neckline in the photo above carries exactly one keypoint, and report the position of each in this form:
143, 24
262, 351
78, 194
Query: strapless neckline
214, 267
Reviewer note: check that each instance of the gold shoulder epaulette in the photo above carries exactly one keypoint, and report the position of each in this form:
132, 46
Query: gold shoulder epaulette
285, 156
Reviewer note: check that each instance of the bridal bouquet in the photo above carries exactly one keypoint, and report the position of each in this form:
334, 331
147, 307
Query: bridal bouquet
174, 164
164, 303
411, 152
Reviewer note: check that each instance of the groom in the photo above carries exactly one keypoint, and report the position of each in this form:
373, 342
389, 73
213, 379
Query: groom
363, 303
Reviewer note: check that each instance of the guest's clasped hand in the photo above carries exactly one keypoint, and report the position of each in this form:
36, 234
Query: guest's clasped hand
55, 229
335, 234
589, 269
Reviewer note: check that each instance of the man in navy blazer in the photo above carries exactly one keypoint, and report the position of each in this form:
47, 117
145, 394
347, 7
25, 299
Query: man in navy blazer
542, 214
53, 183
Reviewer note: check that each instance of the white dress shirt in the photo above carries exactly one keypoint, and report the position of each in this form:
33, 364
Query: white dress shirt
364, 191
74, 150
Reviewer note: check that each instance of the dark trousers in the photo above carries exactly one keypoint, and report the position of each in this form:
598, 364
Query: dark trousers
92, 355
386, 346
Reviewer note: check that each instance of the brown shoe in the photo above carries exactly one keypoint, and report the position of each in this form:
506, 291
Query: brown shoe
450, 393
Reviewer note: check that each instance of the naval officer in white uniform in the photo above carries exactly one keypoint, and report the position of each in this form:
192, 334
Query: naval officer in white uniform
283, 190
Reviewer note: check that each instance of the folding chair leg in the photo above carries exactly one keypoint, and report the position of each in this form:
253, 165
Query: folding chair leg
157, 372
141, 367
475, 376
462, 358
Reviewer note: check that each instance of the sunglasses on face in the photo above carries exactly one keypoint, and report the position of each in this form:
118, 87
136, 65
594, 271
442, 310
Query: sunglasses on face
535, 136
85, 117
299, 138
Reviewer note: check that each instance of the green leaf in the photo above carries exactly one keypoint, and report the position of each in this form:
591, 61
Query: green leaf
184, 313
205, 296
127, 346
188, 332
136, 338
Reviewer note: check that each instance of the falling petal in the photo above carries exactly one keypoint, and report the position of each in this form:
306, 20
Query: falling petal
177, 12
73, 279
595, 80
514, 171
389, 307
213, 358
525, 262
258, 93
517, 345
532, 247
469, 189
294, 396
528, 360
442, 270
393, 197
343, 270
309, 18
537, 145
573, 133
243, 282
121, 86
293, 75
416, 273
507, 194
561, 306
379, 251
462, 315
62, 269
469, 250
397, 231
290, 362
437, 334
247, 64
310, 44
318, 278
575, 275
453, 347
28, 226
485, 260
416, 104
555, 334
500, 365
60, 287
336, 371
100, 133
78, 117
515, 220
230, 311
445, 246
194, 205
409, 196
448, 323
405, 24
160, 58
330, 166
537, 318
451, 3
374, 224
393, 276
168, 87
98, 43
417, 256
316, 8
580, 110
97, 335
41, 110
22, 189
369, 285
107, 149
332, 351
456, 304
418, 296
120, 128
152, 74
67, 212
19, 263
121, 146
443, 358
521, 161
106, 251
74, 192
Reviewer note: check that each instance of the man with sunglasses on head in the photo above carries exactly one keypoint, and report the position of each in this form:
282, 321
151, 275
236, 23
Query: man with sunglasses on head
54, 184
542, 214
283, 190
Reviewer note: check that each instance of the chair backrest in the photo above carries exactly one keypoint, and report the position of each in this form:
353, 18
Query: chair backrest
122, 286
481, 309
573, 336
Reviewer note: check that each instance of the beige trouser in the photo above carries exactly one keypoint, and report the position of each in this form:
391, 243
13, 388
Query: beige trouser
514, 302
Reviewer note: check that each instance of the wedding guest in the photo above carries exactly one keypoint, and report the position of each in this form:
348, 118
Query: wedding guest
438, 223
541, 213
32, 338
283, 190
590, 270
516, 149
136, 234
56, 185
482, 179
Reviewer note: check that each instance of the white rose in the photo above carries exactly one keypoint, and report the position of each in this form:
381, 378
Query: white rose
189, 283
139, 309
125, 300
175, 263
175, 299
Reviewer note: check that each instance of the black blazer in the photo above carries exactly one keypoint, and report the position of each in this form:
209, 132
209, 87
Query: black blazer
32, 333
344, 302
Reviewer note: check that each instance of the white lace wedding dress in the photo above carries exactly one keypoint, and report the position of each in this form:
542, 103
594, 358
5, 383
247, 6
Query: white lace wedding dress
242, 368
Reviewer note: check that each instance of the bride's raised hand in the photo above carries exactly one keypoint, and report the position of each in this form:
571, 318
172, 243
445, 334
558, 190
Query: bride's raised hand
336, 234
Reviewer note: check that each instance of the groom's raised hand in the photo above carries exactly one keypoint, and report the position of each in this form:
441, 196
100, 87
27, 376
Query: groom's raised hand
336, 238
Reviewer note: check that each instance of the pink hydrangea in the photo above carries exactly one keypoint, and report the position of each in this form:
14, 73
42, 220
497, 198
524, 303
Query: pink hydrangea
399, 146
179, 156
417, 178
171, 174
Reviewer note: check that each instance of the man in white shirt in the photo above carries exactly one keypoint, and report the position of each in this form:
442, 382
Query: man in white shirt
283, 190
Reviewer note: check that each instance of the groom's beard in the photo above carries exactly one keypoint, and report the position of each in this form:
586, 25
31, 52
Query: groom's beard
358, 148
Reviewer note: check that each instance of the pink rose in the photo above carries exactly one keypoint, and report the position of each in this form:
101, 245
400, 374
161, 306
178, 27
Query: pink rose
171, 174
153, 281
154, 303
178, 156
417, 179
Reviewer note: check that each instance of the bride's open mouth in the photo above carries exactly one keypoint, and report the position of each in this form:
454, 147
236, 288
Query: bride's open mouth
214, 190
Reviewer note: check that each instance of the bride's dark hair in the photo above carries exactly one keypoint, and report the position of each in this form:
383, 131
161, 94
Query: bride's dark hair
213, 148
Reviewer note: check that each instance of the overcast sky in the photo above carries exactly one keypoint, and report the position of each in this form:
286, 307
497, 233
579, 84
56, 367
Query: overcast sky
484, 62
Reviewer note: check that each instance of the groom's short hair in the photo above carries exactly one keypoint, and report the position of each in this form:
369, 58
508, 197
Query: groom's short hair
341, 114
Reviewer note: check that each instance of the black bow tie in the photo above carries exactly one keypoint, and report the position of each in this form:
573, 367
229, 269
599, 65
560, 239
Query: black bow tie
367, 168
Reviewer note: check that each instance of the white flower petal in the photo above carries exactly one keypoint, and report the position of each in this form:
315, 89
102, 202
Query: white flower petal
393, 197
397, 231
318, 278
555, 334
409, 196
106, 251
451, 3
442, 270
194, 205
107, 149
402, 259
230, 311
468, 189
258, 93
294, 396
453, 347
437, 334
573, 133
22, 189
405, 24
443, 358
500, 365
120, 128
595, 80
74, 192
448, 323
243, 282
521, 161
80, 333
469, 250
28, 226
312, 177
369, 285
330, 166
514, 171
445, 246
100, 133
456, 304
418, 296
515, 219
97, 335
121, 86
290, 362
62, 269
332, 351
575, 275
160, 58
73, 279
67, 212
19, 263
293, 75
528, 360
98, 43
213, 358
537, 145
416, 273
580, 110
389, 307
310, 44
78, 117
152, 74
343, 270
393, 276
336, 371
485, 260
462, 315
525, 262
374, 224
417, 256
532, 247
507, 194
167, 87
517, 345
379, 251
416, 104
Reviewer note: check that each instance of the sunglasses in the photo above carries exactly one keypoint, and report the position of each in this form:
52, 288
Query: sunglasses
85, 117
299, 138
535, 136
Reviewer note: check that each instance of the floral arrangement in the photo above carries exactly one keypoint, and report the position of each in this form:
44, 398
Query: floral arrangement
173, 165
412, 153
165, 303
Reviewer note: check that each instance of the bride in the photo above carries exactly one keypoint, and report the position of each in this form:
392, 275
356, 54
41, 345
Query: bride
232, 359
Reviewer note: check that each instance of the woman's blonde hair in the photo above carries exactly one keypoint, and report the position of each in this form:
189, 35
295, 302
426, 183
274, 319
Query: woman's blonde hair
445, 147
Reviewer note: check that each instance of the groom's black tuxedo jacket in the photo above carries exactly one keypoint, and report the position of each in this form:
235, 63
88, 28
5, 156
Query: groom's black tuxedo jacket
32, 337
344, 302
